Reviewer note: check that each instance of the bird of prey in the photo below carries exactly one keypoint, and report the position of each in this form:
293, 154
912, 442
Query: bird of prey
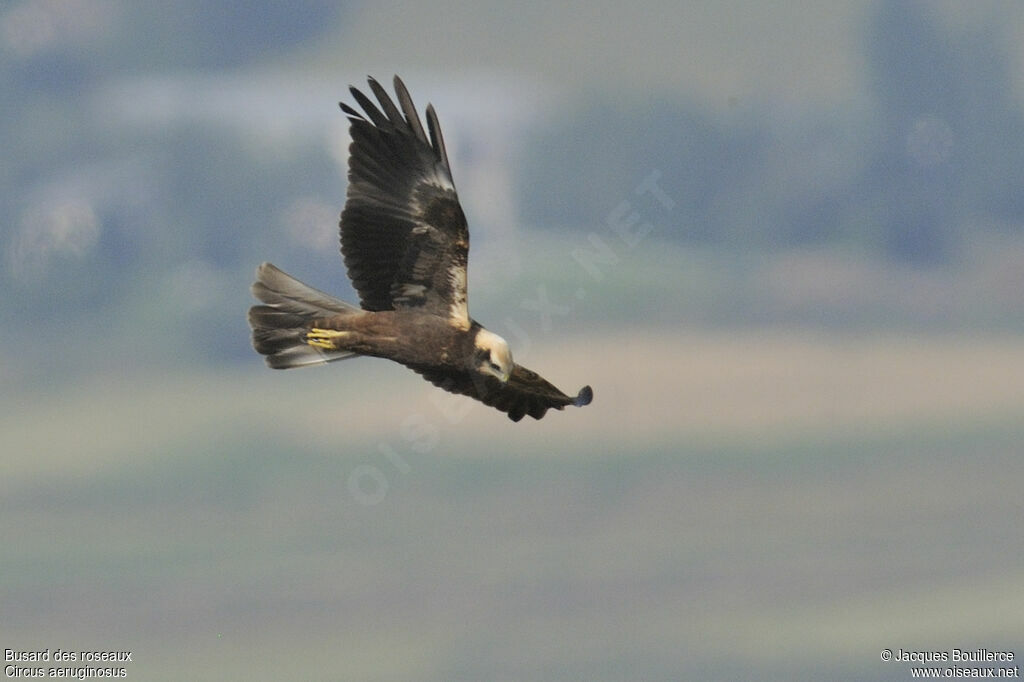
405, 244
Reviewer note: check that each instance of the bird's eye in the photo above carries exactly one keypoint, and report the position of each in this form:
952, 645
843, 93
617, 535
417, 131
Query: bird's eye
495, 366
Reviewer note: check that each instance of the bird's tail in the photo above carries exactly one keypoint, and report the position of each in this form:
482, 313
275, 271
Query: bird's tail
279, 326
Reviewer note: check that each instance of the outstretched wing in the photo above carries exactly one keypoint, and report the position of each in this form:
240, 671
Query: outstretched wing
525, 393
403, 233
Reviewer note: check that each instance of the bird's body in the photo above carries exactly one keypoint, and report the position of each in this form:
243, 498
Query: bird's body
405, 244
407, 337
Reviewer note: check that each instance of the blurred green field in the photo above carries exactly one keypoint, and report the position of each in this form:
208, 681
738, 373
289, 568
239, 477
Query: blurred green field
757, 504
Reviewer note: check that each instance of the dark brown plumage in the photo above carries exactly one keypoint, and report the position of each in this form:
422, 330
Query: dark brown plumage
405, 244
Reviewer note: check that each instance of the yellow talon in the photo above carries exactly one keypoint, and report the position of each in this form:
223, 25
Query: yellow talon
324, 338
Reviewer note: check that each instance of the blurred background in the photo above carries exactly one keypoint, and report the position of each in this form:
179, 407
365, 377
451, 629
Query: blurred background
783, 242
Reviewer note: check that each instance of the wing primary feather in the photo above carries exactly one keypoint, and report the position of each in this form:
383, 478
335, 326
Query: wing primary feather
436, 138
411, 117
386, 103
350, 112
378, 119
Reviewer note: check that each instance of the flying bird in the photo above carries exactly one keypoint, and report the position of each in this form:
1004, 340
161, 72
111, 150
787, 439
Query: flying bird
405, 244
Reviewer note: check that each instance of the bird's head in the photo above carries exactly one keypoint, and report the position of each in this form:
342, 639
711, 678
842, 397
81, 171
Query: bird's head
493, 356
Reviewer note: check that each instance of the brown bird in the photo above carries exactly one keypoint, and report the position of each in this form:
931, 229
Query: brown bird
405, 244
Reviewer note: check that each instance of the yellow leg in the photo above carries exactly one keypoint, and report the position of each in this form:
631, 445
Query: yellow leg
325, 338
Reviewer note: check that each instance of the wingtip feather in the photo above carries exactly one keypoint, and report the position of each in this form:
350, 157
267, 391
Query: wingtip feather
409, 109
436, 138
